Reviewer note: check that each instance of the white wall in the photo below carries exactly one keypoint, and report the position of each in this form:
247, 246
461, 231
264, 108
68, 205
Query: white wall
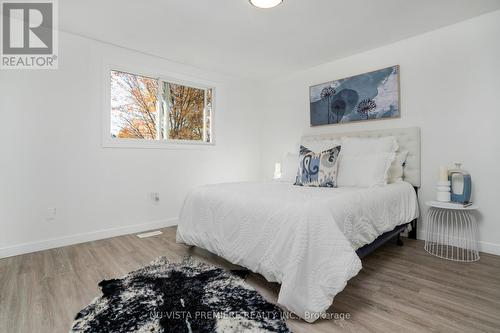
450, 88
51, 153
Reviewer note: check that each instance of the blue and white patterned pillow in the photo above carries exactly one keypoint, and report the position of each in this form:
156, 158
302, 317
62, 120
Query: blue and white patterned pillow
318, 169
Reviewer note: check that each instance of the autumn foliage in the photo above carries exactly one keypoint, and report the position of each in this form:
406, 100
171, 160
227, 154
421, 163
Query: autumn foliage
136, 113
186, 112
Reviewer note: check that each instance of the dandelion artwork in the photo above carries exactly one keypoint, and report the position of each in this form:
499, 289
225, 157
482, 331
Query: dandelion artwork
373, 95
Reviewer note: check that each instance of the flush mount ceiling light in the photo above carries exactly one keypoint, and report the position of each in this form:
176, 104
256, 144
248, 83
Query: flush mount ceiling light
265, 3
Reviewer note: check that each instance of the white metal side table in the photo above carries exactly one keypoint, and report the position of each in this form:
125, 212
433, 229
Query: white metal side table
451, 232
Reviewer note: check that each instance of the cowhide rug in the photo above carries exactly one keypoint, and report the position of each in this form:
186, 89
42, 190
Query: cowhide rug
179, 297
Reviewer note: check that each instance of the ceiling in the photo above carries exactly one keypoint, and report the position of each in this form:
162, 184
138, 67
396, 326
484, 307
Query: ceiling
232, 37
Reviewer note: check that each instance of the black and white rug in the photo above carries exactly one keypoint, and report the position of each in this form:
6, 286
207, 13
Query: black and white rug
179, 297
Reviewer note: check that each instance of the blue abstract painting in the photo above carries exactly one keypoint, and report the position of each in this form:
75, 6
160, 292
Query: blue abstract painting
368, 96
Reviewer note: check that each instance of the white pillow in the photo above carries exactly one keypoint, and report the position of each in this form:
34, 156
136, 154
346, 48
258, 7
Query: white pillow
289, 167
397, 167
363, 146
364, 170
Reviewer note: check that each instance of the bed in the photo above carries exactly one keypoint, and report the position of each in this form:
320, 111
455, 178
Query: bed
309, 240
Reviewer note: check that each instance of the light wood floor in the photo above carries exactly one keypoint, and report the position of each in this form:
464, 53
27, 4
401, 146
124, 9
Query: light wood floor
399, 288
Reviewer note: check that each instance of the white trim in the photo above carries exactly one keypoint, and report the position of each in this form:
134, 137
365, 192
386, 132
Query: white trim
485, 247
161, 144
149, 234
205, 92
490, 248
10, 251
108, 142
159, 110
84, 237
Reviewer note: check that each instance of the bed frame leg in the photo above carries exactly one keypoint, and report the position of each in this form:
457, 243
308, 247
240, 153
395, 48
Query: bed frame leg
242, 273
399, 242
413, 233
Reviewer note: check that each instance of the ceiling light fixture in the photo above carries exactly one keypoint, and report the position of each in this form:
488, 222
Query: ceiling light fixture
265, 3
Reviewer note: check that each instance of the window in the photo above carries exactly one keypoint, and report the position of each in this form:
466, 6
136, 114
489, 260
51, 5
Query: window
134, 106
188, 111
154, 109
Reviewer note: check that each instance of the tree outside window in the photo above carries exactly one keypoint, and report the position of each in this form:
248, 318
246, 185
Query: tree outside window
184, 113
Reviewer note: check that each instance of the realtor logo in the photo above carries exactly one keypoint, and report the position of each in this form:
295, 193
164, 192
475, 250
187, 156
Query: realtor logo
29, 35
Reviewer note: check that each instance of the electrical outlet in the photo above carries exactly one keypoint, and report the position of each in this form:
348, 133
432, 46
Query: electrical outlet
51, 214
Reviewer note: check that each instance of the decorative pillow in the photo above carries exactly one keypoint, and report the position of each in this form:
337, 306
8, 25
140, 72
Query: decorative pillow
363, 146
318, 169
364, 170
397, 167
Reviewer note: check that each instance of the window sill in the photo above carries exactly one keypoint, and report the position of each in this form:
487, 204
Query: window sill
156, 144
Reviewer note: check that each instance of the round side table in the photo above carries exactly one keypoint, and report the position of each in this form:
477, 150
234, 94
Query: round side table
451, 232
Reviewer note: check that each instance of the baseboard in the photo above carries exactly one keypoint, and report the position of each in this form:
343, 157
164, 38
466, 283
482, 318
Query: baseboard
15, 250
491, 248
486, 247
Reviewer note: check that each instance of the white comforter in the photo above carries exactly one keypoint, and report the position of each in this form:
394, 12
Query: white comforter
302, 237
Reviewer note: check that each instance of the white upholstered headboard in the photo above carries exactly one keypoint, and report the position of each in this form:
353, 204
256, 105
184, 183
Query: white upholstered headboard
408, 139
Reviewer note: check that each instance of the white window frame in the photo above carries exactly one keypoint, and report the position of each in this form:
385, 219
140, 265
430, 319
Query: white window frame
110, 142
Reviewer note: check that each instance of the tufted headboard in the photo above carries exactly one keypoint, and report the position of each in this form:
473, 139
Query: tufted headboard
408, 139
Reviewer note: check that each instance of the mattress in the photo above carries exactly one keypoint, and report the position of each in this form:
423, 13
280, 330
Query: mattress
302, 237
